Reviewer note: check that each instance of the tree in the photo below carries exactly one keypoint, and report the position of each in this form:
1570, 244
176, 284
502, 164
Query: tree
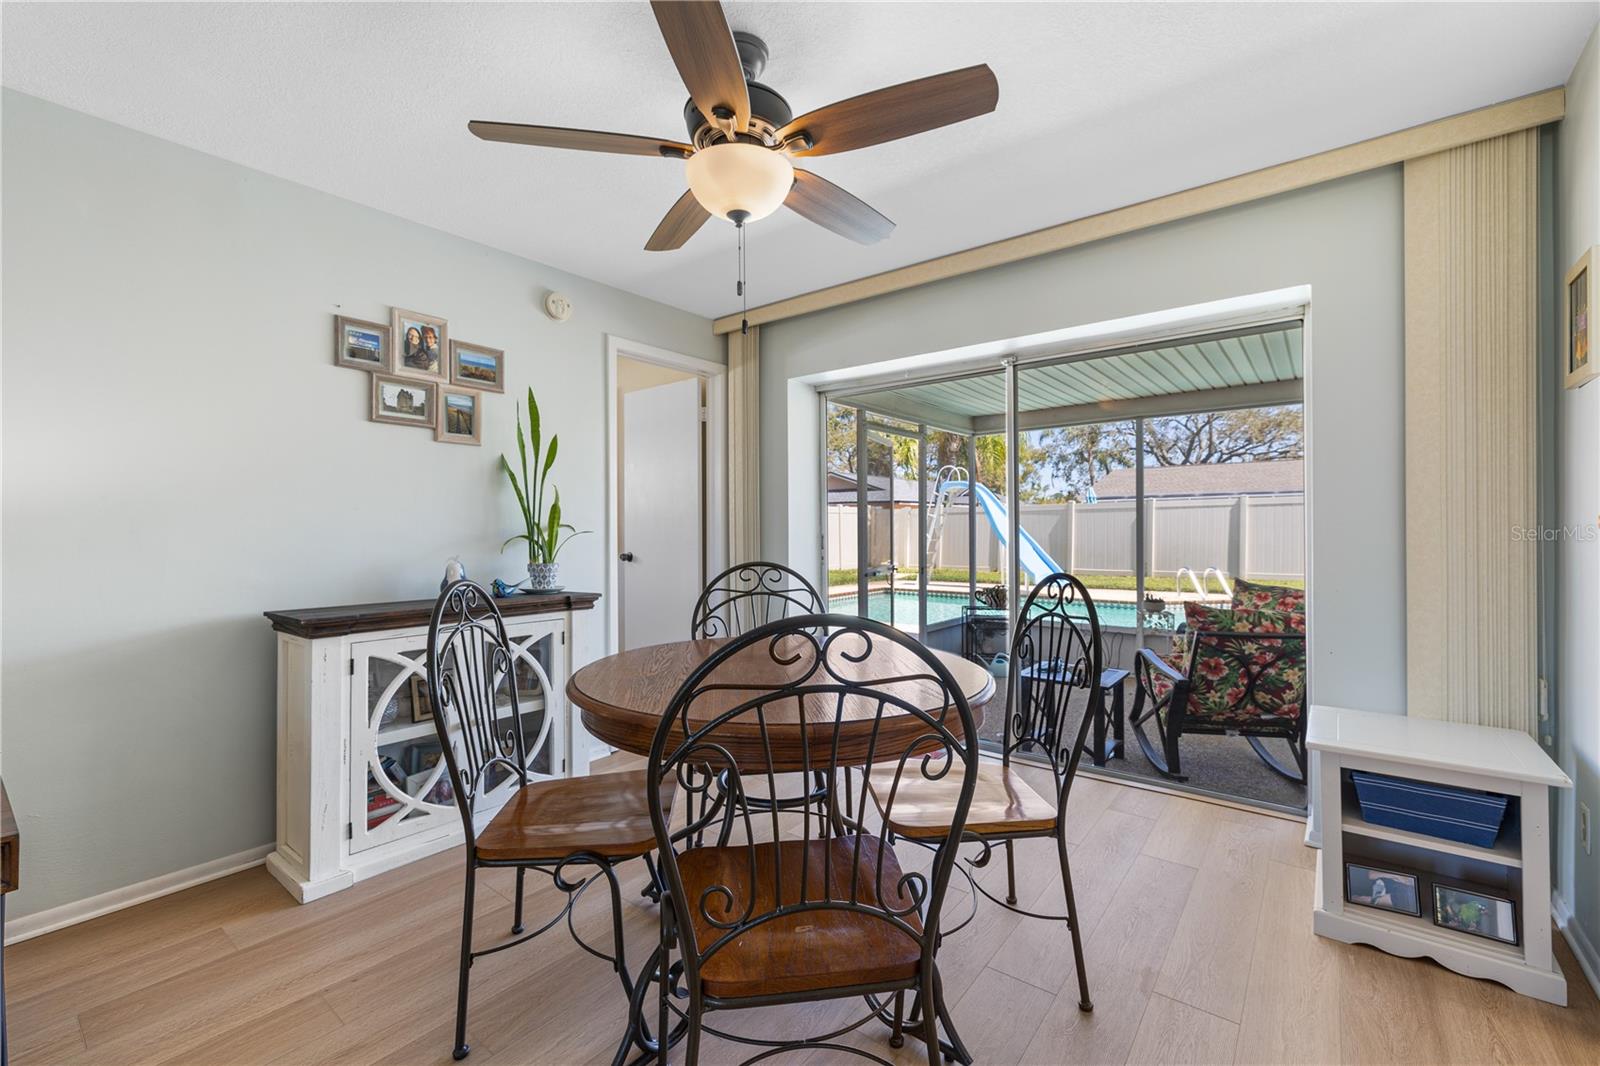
1082, 455
1063, 463
1078, 456
841, 437
1248, 436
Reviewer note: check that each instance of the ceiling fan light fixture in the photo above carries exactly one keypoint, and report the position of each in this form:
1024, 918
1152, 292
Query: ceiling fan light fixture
737, 177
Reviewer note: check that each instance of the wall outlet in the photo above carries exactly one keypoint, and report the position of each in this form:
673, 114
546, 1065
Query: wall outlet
1583, 827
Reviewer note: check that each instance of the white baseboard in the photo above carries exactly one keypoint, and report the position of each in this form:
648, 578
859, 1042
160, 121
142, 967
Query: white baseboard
48, 921
1588, 957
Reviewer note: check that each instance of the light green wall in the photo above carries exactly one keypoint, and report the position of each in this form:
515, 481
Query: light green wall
1576, 693
1343, 238
181, 454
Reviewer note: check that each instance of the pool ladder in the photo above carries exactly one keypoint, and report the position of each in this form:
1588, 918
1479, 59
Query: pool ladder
1202, 582
942, 496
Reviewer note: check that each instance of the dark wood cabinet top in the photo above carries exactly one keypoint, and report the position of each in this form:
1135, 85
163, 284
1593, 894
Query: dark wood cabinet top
314, 622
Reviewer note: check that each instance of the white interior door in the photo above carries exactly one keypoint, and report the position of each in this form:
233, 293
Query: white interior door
661, 533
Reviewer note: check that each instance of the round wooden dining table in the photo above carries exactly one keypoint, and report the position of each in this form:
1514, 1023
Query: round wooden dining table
624, 696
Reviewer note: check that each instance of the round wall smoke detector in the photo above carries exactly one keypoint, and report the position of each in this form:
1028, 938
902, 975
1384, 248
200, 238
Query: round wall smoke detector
557, 306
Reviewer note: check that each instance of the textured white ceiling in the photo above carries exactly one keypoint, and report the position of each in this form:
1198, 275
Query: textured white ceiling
1100, 105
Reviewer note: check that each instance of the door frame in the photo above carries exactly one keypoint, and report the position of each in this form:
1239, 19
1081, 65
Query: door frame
715, 533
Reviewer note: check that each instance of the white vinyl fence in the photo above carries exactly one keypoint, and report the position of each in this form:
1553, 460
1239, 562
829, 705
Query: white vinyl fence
1260, 537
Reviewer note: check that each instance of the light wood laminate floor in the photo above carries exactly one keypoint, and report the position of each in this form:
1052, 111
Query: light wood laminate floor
1197, 924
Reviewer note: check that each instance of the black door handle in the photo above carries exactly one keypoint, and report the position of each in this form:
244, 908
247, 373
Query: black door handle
626, 557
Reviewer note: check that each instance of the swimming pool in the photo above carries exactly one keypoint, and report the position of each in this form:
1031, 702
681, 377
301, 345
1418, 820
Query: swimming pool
946, 606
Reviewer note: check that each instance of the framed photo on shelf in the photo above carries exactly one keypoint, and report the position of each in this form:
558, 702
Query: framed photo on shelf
1382, 889
460, 417
420, 756
420, 344
1470, 910
477, 367
417, 785
421, 706
363, 345
403, 401
1580, 362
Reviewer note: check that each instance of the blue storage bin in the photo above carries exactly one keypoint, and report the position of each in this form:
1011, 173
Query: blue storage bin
1464, 815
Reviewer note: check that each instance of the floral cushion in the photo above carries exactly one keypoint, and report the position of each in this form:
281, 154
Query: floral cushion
1196, 616
1235, 679
1268, 608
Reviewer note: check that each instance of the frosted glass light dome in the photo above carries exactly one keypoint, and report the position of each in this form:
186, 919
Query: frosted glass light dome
736, 176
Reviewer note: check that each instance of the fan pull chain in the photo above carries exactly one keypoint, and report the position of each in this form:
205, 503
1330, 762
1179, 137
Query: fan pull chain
739, 288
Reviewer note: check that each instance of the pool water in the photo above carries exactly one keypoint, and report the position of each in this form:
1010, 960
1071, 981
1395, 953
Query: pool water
946, 606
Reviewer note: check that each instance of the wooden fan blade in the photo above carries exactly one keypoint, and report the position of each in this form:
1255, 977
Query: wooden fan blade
582, 140
830, 207
898, 111
701, 44
681, 222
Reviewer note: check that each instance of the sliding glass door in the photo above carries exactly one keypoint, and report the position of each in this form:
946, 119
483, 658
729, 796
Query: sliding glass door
1156, 475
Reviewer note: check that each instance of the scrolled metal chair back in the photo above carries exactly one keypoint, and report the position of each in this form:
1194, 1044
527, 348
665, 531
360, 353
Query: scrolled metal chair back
805, 675
473, 690
1055, 669
749, 595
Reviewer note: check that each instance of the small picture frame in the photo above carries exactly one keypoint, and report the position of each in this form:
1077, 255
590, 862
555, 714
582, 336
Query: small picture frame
421, 706
362, 345
1474, 911
1382, 888
403, 401
460, 417
477, 367
420, 344
1580, 361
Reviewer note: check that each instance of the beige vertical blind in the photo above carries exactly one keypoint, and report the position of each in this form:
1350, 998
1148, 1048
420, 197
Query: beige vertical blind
1472, 433
744, 446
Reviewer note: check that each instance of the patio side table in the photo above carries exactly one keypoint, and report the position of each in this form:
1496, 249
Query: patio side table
1099, 747
1110, 689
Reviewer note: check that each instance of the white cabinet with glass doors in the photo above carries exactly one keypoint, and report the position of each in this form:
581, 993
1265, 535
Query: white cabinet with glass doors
362, 782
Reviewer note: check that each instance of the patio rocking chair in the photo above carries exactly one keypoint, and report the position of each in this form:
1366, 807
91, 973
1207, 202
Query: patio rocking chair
1242, 673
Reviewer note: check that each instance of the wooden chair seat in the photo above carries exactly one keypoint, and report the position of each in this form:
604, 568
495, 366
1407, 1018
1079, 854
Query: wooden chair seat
808, 950
602, 814
1002, 802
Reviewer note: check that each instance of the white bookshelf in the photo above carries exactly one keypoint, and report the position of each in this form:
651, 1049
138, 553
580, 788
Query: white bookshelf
1446, 753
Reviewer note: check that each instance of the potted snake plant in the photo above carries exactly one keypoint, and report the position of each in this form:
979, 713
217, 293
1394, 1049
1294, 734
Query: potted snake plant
543, 529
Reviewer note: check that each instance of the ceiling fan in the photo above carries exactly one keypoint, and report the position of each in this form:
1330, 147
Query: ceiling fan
743, 136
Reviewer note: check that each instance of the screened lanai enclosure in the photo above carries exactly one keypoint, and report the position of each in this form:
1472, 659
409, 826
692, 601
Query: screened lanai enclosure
1168, 478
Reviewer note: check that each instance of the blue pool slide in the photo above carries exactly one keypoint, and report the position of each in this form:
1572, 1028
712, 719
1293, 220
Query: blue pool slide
1035, 562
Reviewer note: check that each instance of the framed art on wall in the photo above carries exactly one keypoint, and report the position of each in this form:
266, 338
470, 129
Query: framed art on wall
478, 367
403, 401
1580, 362
363, 345
420, 343
460, 417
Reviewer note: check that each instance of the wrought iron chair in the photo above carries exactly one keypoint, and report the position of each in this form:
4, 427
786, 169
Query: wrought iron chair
1055, 671
551, 826
1235, 679
748, 595
736, 601
827, 914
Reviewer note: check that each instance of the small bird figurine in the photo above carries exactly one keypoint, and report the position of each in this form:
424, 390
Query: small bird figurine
453, 571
